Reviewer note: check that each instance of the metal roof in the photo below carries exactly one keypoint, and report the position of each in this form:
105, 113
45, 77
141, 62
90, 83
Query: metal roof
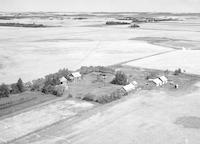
63, 79
157, 81
129, 87
76, 74
163, 79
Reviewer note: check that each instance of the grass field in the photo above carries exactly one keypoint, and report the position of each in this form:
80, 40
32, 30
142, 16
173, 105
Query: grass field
18, 102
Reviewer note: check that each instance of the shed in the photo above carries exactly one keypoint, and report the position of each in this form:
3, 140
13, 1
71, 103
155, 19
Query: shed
63, 80
156, 81
163, 79
128, 88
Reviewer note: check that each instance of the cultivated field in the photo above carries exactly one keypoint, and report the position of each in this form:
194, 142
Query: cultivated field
25, 52
153, 115
184, 59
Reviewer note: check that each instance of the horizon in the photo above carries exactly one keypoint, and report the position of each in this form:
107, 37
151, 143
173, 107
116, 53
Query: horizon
100, 12
171, 6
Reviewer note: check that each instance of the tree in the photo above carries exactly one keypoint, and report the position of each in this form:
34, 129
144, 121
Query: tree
120, 78
14, 89
4, 91
38, 84
177, 71
20, 85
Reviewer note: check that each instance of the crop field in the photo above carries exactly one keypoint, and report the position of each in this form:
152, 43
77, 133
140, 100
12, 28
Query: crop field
33, 45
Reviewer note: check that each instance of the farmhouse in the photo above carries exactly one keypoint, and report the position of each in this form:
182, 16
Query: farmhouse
63, 80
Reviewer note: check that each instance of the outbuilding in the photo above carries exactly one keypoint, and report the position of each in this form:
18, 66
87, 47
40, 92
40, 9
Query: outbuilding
130, 87
156, 81
75, 76
163, 79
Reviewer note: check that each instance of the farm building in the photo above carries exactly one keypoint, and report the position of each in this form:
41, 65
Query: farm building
163, 79
157, 81
63, 80
130, 87
75, 76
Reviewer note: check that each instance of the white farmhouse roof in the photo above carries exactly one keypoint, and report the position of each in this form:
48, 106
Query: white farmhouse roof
129, 87
163, 79
157, 81
76, 74
63, 79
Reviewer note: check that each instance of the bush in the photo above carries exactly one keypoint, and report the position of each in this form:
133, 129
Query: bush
89, 97
17, 87
103, 99
14, 89
106, 98
120, 78
63, 73
20, 85
4, 91
151, 76
59, 90
50, 82
177, 71
38, 84
48, 89
110, 97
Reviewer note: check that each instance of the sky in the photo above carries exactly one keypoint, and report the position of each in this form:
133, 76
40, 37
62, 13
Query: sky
101, 5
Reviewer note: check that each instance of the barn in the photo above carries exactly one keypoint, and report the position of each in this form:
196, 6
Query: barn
130, 87
75, 76
156, 81
163, 79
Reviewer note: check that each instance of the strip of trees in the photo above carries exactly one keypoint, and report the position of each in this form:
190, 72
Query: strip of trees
6, 90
